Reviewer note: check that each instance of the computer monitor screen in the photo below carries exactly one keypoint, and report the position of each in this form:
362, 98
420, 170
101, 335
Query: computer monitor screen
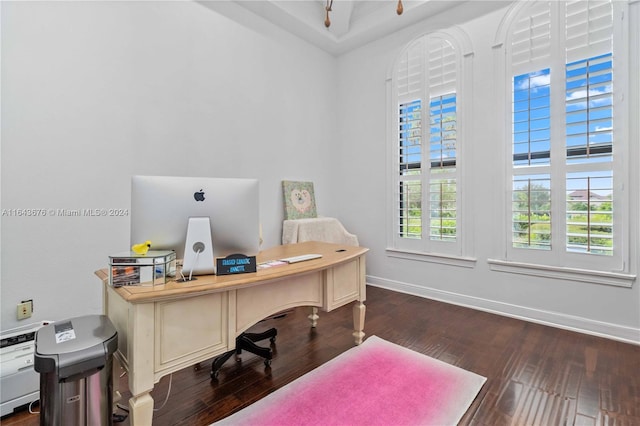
161, 207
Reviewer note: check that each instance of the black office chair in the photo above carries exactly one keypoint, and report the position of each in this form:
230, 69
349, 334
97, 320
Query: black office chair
246, 341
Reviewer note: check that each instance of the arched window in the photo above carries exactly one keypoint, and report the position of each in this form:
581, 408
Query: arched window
566, 64
426, 153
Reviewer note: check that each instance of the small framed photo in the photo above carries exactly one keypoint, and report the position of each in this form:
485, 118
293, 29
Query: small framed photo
299, 200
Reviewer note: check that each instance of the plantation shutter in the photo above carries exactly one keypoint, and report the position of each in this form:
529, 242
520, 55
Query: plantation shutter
425, 189
441, 67
442, 192
589, 29
410, 91
441, 77
531, 39
563, 200
410, 73
410, 136
589, 90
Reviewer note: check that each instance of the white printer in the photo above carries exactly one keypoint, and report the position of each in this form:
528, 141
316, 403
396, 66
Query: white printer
19, 382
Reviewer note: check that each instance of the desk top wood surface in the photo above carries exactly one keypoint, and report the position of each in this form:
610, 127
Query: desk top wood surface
332, 255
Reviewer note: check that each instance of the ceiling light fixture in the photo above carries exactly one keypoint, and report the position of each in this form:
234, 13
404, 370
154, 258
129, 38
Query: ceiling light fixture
327, 21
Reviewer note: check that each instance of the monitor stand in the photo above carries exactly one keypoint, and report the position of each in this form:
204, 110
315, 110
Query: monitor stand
198, 249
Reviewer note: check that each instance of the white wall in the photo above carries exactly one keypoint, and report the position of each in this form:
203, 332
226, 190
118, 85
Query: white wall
363, 161
94, 92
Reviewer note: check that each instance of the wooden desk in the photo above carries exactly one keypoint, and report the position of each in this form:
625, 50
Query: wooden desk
166, 328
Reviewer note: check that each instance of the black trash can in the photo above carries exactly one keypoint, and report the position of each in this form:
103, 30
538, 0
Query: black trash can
75, 360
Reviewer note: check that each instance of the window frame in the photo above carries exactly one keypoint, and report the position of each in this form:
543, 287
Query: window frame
452, 253
558, 263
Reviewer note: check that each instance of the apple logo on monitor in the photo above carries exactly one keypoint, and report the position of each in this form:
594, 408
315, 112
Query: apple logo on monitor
199, 195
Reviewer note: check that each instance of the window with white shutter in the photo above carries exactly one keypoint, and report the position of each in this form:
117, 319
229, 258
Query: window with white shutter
426, 157
409, 195
443, 192
568, 203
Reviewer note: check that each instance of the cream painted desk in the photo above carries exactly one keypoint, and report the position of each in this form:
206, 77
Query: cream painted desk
166, 328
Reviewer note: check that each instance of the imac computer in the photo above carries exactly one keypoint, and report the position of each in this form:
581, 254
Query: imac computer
200, 218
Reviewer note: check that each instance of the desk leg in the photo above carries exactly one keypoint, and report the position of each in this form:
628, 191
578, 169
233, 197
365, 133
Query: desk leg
141, 410
314, 317
358, 321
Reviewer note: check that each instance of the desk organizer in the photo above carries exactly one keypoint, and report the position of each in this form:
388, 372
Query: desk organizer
130, 268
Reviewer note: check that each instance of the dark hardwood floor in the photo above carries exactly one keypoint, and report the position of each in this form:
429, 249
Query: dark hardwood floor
536, 375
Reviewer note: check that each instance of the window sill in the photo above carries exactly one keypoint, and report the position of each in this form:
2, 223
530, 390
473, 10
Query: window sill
573, 274
444, 259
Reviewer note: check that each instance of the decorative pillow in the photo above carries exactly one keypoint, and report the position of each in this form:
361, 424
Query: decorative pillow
299, 200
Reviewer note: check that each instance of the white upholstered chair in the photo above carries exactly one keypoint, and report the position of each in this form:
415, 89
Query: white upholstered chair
325, 229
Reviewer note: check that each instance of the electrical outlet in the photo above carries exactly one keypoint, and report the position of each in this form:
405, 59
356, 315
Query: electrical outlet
25, 309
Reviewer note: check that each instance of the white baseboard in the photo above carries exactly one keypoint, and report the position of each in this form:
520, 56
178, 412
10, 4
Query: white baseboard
553, 319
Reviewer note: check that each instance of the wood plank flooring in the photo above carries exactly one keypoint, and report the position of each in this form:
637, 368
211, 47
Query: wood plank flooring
536, 375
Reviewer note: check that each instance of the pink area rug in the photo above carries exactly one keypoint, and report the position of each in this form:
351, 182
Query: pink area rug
376, 383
